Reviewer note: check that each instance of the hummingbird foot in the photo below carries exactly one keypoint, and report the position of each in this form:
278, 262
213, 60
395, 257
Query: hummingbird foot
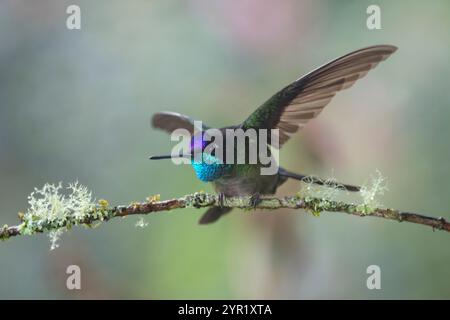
221, 199
255, 199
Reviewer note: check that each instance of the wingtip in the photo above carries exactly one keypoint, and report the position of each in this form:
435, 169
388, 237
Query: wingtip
154, 119
385, 50
388, 47
392, 47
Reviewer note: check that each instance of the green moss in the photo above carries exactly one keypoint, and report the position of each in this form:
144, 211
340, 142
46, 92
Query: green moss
365, 209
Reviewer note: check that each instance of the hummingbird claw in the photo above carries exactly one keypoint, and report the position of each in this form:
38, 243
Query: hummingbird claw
221, 199
255, 199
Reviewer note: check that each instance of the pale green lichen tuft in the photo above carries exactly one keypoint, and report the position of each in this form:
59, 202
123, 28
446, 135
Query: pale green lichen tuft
141, 223
54, 236
370, 192
52, 205
55, 209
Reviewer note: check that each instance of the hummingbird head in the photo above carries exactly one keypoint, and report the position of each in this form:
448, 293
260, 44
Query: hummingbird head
206, 165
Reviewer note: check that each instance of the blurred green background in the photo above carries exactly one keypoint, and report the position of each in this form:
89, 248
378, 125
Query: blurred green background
75, 105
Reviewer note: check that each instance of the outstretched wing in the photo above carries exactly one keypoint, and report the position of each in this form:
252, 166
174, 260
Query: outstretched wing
170, 121
292, 107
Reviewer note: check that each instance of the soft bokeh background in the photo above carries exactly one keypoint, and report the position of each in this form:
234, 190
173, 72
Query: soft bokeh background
75, 105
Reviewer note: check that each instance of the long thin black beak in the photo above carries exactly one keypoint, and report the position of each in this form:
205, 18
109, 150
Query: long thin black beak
168, 157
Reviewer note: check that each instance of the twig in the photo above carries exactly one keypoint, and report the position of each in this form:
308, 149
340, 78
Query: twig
202, 200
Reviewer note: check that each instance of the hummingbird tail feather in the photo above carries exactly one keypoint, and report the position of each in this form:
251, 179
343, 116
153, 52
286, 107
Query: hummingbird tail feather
284, 173
213, 214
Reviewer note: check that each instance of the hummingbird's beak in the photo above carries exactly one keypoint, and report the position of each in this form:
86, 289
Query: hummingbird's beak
169, 157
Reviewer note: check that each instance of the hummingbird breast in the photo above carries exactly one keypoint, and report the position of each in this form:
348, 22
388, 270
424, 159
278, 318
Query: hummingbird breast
246, 179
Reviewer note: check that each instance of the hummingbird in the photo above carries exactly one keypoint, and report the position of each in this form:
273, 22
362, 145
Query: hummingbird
288, 110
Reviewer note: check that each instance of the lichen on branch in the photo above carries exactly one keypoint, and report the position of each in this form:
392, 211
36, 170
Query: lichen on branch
54, 209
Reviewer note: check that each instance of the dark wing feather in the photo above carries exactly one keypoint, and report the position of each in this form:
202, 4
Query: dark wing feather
170, 121
292, 107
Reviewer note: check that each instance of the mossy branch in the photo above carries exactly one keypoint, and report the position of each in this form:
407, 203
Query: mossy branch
103, 212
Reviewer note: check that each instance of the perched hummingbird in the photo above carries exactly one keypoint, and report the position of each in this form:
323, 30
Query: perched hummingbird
288, 111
